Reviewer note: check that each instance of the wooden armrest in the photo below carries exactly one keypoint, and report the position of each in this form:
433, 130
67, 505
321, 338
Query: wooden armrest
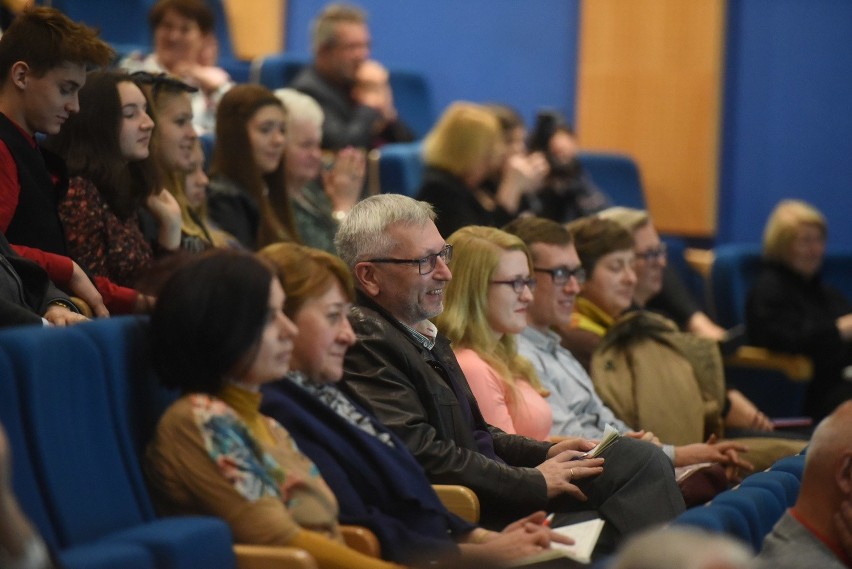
700, 260
272, 557
374, 182
82, 306
361, 540
795, 366
460, 500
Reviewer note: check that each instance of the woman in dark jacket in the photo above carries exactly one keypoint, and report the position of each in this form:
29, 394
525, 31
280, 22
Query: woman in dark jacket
790, 309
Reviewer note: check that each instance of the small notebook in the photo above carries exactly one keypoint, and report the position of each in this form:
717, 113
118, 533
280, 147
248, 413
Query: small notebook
609, 437
585, 536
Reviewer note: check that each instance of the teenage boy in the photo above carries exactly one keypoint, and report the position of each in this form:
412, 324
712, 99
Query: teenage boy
43, 61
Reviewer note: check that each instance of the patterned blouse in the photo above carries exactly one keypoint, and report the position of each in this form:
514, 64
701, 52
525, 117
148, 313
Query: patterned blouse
102, 243
221, 457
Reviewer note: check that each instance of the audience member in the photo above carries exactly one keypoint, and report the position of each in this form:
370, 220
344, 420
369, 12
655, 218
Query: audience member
182, 31
106, 147
567, 193
577, 408
486, 306
521, 171
658, 286
369, 469
358, 105
683, 411
21, 547
682, 548
247, 181
814, 532
198, 232
43, 60
653, 275
27, 296
213, 453
462, 152
320, 197
405, 372
790, 309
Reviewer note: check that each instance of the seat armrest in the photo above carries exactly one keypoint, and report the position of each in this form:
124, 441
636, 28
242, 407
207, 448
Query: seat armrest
795, 366
460, 500
361, 540
272, 557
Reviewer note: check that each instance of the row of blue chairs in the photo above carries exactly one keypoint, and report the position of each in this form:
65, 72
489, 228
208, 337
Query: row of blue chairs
77, 405
749, 511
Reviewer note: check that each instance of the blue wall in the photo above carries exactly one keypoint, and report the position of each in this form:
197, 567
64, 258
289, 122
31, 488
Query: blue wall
523, 53
787, 129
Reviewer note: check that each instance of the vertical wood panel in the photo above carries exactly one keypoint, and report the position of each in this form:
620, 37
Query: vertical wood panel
256, 26
649, 84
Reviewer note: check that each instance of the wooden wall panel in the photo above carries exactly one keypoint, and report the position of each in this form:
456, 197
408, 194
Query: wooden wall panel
649, 85
257, 26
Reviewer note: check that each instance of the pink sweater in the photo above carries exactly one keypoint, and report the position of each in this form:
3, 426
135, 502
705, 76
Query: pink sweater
531, 416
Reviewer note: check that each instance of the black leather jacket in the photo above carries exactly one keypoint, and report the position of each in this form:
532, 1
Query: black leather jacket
409, 388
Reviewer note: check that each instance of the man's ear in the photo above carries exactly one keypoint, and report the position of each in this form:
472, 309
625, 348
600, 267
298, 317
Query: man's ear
367, 279
844, 473
20, 74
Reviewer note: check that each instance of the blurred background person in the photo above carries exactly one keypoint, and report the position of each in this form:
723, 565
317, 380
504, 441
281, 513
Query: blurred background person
790, 309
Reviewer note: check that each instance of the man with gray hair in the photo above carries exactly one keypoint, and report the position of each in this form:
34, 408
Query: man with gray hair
340, 41
406, 373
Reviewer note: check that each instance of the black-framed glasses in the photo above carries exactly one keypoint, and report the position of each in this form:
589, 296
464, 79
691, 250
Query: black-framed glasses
653, 254
159, 81
561, 275
424, 264
518, 284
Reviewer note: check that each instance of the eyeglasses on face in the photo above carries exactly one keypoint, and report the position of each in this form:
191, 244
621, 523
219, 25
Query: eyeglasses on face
652, 254
425, 264
561, 275
518, 284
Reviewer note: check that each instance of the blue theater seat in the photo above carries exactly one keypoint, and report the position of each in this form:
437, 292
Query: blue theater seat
795, 465
97, 554
617, 175
761, 507
92, 488
784, 485
718, 518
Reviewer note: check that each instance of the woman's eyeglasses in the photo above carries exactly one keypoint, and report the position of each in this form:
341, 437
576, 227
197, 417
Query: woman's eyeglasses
518, 284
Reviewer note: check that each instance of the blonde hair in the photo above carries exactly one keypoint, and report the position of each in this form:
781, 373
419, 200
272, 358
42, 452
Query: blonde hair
782, 225
300, 107
476, 254
464, 136
194, 221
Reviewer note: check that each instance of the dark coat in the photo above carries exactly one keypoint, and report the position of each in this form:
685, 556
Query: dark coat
377, 486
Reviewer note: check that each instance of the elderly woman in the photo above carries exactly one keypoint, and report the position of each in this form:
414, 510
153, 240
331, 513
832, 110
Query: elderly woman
183, 40
320, 197
462, 153
790, 309
370, 470
213, 452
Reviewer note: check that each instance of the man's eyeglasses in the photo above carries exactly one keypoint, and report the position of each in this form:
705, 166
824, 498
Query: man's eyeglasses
159, 81
518, 284
653, 254
561, 275
425, 264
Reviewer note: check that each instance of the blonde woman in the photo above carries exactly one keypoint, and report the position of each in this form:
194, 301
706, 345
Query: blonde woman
790, 309
464, 150
485, 307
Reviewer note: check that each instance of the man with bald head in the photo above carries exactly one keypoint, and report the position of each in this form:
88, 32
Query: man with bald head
811, 533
